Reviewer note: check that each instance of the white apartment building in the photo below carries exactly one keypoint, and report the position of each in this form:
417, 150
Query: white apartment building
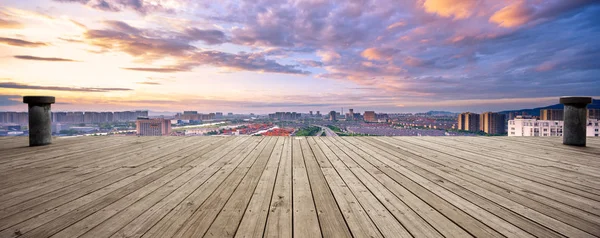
593, 128
534, 127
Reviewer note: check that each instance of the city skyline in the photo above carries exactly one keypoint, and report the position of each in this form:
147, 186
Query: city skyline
243, 56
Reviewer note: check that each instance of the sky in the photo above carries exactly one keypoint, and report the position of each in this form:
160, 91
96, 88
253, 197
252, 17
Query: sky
263, 56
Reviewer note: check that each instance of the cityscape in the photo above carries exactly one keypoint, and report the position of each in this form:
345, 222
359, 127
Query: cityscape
548, 122
299, 118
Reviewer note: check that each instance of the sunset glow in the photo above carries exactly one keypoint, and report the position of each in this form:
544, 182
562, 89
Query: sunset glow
298, 55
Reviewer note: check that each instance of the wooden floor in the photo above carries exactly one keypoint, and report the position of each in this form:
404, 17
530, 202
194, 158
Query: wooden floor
300, 187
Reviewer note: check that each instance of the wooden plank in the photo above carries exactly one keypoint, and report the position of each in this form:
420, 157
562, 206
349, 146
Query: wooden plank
48, 163
448, 209
428, 213
473, 165
150, 216
245, 214
279, 220
402, 212
539, 172
177, 218
454, 168
359, 222
200, 221
112, 218
75, 196
72, 173
59, 189
66, 220
379, 214
477, 212
525, 219
306, 222
331, 220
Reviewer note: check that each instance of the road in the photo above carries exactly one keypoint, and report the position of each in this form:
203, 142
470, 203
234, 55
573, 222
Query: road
328, 132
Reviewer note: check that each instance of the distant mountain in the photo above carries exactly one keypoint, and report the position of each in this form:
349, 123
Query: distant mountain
536, 111
439, 113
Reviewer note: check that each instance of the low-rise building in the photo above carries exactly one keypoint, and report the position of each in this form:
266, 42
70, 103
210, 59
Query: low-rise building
153, 127
533, 127
593, 128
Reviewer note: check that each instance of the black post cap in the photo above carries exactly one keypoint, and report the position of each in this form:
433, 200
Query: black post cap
575, 100
38, 99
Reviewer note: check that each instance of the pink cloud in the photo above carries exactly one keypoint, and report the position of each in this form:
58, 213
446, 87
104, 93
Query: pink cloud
546, 66
459, 9
379, 53
513, 15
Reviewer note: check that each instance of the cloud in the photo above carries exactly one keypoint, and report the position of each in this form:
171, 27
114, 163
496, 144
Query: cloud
311, 63
379, 53
149, 83
140, 43
459, 9
396, 25
140, 6
513, 15
10, 100
29, 57
242, 61
520, 12
10, 24
211, 37
21, 43
158, 70
58, 88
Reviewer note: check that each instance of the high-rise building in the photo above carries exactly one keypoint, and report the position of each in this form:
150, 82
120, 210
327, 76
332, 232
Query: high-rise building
370, 116
153, 127
21, 118
190, 112
218, 115
492, 123
511, 115
332, 116
468, 121
594, 114
350, 115
551, 114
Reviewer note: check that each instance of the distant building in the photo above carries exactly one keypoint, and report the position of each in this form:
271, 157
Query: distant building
218, 115
382, 117
593, 128
594, 114
492, 123
532, 127
21, 118
285, 116
468, 121
129, 115
190, 112
310, 113
551, 114
318, 114
350, 116
370, 116
511, 115
332, 116
153, 127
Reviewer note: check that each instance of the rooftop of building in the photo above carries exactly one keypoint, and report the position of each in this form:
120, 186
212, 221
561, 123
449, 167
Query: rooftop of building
299, 186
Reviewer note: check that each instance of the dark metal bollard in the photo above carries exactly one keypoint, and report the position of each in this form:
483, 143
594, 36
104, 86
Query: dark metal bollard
40, 119
575, 120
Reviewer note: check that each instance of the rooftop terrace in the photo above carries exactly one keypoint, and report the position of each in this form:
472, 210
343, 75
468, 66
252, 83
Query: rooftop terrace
301, 187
